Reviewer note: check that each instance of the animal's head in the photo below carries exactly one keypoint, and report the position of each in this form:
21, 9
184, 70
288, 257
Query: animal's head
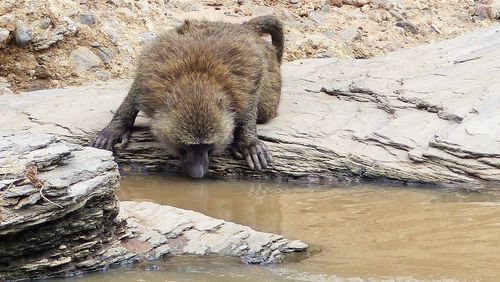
196, 122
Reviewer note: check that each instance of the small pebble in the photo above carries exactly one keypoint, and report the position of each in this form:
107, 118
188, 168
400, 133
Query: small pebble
4, 83
317, 17
146, 37
82, 59
303, 13
336, 3
286, 14
103, 75
41, 72
5, 91
407, 26
87, 19
322, 55
44, 58
22, 34
7, 19
44, 23
329, 35
105, 54
4, 38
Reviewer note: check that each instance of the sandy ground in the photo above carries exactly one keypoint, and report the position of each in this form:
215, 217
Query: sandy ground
76, 41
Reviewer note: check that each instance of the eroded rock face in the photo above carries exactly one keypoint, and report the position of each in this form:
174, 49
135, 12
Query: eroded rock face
422, 115
59, 216
57, 207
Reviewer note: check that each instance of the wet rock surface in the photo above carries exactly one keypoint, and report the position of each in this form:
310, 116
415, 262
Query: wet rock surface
59, 216
158, 230
422, 115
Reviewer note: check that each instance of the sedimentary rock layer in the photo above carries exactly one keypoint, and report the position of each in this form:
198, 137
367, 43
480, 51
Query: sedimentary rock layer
59, 216
422, 115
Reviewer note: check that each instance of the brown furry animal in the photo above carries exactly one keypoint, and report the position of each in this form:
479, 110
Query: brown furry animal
205, 86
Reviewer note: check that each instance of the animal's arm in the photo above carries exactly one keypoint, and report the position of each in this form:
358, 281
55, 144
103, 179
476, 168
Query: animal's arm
120, 126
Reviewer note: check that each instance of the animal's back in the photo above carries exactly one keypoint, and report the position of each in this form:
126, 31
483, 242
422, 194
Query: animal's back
220, 54
205, 86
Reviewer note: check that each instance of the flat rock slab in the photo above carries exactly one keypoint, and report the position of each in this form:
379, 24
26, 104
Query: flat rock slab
161, 230
58, 207
59, 216
424, 115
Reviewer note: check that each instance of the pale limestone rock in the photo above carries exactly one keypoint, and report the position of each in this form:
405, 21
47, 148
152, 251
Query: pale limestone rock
422, 115
83, 59
158, 226
72, 224
22, 34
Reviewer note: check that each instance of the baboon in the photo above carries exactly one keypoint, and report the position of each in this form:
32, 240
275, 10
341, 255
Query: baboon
205, 85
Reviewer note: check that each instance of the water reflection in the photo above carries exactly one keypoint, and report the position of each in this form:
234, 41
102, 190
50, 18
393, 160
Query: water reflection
367, 232
251, 205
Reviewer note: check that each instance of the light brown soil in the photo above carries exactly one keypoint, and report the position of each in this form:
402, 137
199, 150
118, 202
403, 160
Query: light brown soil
313, 29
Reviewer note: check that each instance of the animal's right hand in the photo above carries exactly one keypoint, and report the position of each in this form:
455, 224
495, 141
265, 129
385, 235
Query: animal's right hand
108, 137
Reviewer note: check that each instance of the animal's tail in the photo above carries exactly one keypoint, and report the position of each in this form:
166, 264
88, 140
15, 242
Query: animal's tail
272, 26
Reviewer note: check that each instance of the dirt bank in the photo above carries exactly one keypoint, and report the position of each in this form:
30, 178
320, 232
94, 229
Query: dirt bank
55, 43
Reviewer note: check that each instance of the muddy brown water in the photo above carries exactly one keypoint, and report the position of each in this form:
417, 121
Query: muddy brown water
365, 232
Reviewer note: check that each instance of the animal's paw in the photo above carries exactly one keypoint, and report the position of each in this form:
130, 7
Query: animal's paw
257, 155
108, 137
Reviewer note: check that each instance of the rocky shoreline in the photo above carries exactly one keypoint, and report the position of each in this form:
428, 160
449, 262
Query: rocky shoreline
59, 216
427, 115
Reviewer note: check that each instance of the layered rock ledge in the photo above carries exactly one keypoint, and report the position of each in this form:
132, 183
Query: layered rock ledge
59, 216
422, 115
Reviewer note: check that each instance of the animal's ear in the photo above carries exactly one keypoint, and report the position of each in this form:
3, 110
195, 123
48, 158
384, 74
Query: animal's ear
184, 27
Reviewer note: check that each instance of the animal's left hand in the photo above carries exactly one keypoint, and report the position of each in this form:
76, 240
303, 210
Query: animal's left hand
257, 155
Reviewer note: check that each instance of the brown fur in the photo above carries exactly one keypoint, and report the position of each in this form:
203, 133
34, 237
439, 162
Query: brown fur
204, 81
272, 26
